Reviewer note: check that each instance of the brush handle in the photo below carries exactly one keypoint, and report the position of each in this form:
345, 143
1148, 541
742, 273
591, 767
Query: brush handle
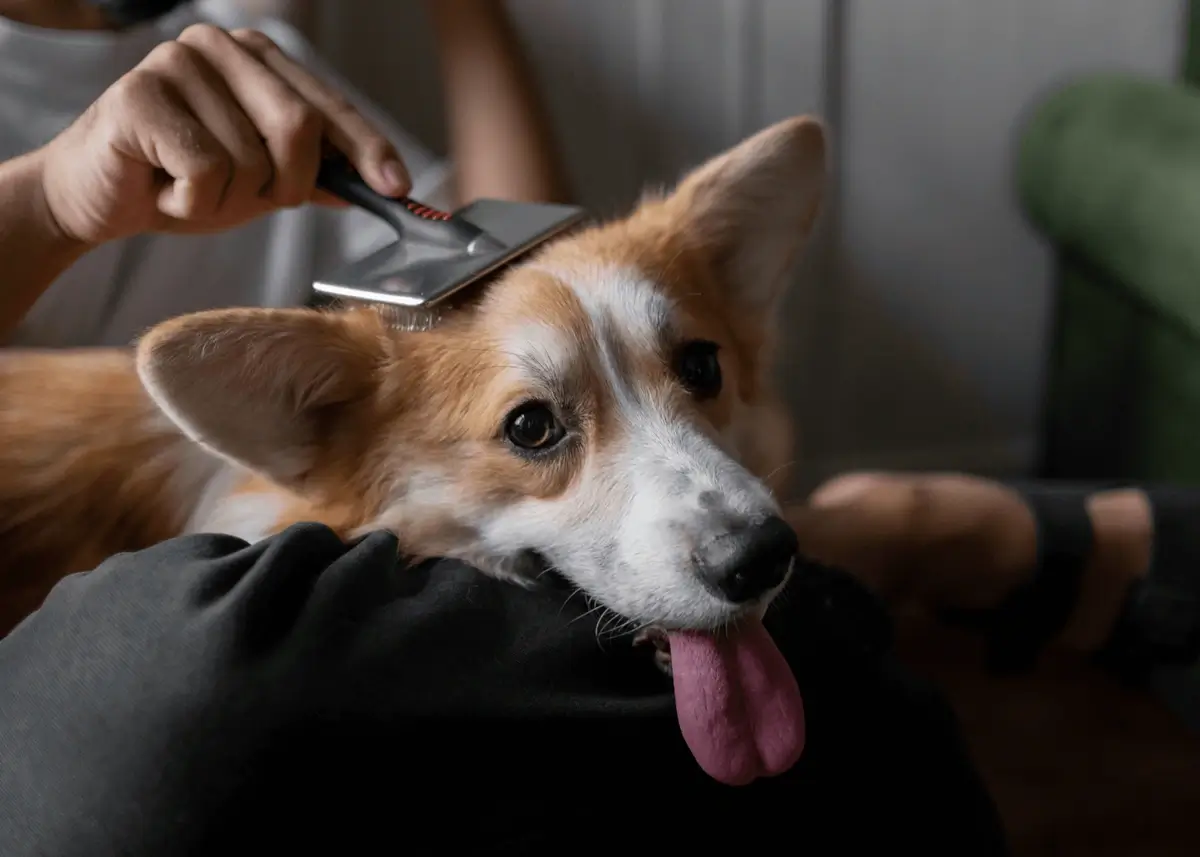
407, 216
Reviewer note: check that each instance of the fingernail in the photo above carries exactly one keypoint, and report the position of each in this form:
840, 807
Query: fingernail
396, 176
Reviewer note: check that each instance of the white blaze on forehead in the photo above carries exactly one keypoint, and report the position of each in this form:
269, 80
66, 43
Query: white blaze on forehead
541, 348
626, 311
635, 308
619, 300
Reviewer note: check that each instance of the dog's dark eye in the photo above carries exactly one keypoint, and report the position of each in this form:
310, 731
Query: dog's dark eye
699, 369
533, 426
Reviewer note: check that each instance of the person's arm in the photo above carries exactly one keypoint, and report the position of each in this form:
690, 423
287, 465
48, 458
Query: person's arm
500, 138
954, 541
33, 249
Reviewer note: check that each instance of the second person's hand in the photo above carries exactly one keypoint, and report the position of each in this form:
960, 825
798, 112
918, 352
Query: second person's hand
207, 132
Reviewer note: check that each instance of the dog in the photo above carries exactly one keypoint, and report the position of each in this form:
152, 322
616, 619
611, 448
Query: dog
604, 408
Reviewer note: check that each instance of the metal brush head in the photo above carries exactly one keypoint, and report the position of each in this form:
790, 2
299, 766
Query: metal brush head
417, 272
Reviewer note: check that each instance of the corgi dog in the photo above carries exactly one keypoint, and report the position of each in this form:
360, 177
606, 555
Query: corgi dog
604, 408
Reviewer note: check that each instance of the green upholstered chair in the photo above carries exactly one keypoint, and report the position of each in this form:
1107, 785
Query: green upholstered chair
1108, 169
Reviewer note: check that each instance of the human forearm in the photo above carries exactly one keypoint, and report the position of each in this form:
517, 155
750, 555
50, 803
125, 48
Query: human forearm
499, 134
33, 249
950, 541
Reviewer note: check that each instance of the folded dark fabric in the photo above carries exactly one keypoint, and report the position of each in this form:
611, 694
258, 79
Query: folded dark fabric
306, 696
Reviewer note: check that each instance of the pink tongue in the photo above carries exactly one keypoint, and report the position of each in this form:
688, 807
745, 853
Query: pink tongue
738, 704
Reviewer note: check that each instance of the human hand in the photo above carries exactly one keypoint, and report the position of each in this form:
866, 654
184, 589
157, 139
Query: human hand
209, 131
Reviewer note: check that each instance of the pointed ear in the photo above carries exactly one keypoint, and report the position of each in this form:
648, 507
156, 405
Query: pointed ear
261, 387
753, 208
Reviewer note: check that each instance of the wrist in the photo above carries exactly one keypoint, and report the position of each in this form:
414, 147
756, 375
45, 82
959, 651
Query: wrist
44, 229
34, 248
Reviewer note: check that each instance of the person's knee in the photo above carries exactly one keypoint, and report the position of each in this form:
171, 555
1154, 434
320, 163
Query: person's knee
920, 510
863, 486
897, 500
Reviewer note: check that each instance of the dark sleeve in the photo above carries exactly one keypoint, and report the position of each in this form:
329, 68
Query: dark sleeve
1155, 642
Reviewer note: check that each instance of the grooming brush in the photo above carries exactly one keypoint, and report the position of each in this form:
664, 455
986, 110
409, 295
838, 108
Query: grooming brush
436, 254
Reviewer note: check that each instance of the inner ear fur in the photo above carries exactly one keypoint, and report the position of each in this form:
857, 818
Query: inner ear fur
753, 208
263, 388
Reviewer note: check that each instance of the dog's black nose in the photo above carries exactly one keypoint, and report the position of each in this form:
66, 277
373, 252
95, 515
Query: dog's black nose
750, 560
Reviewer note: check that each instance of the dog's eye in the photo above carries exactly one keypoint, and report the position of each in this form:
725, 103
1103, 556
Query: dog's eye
698, 368
533, 426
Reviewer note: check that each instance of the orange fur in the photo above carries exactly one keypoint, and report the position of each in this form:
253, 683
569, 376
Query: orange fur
324, 414
82, 450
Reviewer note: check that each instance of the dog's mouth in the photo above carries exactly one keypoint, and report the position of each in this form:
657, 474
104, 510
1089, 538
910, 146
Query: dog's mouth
738, 704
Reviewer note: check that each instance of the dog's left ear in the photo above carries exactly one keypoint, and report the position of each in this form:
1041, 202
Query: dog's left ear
753, 208
264, 388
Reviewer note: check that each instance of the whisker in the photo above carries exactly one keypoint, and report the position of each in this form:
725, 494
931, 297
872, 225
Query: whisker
783, 466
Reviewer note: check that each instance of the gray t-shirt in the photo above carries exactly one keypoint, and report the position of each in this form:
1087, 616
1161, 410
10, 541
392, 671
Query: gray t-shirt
49, 77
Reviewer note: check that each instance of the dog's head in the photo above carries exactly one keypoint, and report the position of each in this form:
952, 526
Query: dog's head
604, 407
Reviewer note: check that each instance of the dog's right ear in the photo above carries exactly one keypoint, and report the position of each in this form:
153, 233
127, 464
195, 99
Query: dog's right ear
263, 388
752, 209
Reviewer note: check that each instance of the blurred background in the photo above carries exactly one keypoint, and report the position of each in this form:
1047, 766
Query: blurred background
922, 333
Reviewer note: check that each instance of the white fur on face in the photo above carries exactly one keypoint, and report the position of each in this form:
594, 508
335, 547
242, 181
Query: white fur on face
628, 529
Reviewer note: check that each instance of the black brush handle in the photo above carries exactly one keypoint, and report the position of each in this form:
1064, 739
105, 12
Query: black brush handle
407, 216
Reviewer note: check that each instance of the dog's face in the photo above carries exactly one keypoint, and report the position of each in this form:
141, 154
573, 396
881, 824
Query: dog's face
603, 408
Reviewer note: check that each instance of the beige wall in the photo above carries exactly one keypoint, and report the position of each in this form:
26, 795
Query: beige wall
919, 341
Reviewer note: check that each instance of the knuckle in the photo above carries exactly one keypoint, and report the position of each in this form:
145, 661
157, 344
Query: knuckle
173, 55
135, 87
203, 35
131, 84
297, 121
255, 40
211, 168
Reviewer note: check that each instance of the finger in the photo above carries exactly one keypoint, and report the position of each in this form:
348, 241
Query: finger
291, 129
216, 107
155, 126
371, 153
